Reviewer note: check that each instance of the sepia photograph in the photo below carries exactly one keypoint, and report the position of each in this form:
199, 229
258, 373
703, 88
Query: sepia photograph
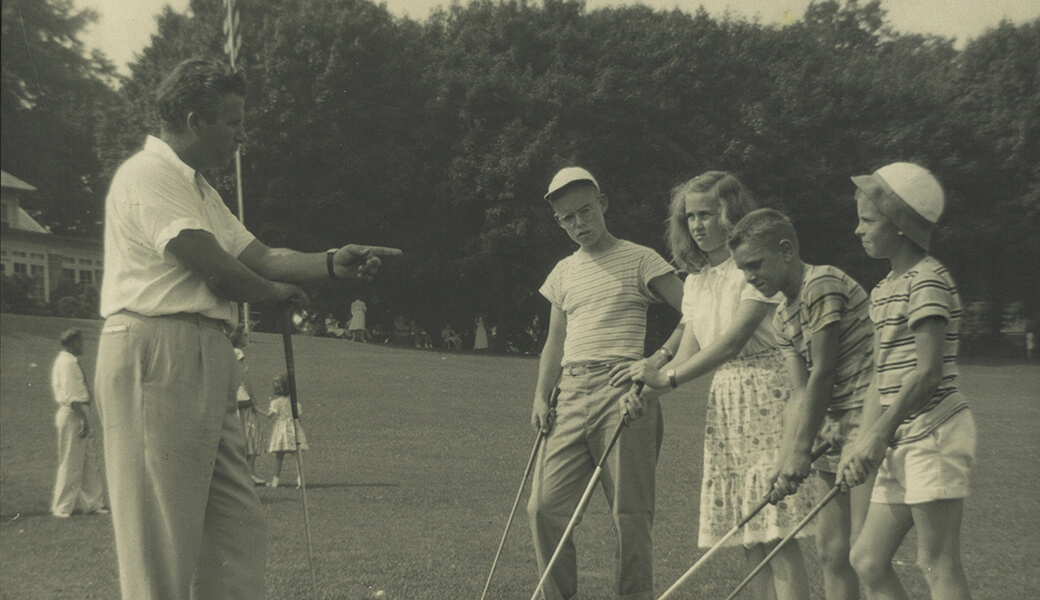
510, 299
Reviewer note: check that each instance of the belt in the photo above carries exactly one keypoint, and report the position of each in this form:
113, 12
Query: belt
594, 366
193, 318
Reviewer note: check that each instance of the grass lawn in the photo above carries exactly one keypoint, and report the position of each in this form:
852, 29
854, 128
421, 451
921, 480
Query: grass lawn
414, 463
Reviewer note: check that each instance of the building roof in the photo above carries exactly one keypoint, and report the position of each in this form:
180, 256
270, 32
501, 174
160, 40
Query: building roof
10, 181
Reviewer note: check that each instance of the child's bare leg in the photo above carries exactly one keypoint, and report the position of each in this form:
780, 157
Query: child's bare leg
278, 458
883, 531
761, 587
790, 579
939, 548
833, 543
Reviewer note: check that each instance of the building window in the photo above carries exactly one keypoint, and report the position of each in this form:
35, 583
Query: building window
97, 275
86, 277
68, 261
85, 261
20, 254
21, 269
38, 257
39, 277
68, 275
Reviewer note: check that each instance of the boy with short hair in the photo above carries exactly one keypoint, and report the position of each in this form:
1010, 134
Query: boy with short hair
824, 332
599, 298
917, 431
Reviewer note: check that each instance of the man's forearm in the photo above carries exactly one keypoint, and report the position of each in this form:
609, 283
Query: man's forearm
290, 266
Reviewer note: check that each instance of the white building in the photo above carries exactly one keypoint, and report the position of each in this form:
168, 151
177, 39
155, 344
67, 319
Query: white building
27, 248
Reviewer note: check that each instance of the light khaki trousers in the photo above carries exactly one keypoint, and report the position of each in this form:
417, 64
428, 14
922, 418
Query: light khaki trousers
78, 484
587, 415
188, 522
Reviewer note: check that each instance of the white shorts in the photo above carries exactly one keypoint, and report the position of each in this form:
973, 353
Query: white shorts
934, 467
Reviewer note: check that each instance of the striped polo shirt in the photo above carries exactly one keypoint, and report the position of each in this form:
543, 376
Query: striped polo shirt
605, 299
829, 296
897, 304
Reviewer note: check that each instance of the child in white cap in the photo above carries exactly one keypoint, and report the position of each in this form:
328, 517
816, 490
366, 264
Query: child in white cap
599, 296
917, 431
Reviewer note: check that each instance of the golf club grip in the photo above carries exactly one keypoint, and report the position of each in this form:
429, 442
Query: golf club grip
554, 397
290, 361
790, 536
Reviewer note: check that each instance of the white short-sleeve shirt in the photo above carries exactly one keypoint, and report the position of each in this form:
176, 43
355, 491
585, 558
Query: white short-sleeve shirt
711, 298
67, 381
155, 196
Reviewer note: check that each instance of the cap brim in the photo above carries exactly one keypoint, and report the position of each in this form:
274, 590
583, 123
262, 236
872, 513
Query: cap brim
864, 182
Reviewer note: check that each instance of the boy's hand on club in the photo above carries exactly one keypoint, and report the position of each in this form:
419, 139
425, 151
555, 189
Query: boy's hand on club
645, 373
542, 417
860, 459
621, 373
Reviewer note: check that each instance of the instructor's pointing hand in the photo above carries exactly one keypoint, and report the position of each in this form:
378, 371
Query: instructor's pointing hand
354, 261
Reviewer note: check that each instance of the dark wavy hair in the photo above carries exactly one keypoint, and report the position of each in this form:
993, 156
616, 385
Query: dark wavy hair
196, 85
734, 201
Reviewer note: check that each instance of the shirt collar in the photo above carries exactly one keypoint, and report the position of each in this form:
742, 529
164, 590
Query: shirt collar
157, 146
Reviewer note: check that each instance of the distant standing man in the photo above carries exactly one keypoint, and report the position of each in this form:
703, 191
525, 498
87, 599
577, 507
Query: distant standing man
78, 484
188, 522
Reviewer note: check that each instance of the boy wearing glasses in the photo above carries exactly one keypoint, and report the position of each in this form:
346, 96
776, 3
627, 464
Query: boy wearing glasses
599, 298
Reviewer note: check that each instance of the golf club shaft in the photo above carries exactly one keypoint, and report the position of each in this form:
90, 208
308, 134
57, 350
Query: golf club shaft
817, 453
527, 472
290, 369
816, 509
583, 502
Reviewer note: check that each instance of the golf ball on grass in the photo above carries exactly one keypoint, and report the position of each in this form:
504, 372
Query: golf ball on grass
379, 595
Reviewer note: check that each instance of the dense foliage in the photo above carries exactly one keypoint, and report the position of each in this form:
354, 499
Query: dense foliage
439, 137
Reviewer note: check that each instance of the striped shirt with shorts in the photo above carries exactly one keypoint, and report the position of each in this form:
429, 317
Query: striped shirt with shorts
933, 450
827, 297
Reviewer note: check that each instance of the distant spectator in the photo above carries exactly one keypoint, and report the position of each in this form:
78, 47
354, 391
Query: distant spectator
450, 338
480, 338
402, 334
248, 412
78, 484
357, 330
1030, 345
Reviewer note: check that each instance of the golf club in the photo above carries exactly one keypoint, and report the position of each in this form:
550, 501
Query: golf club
290, 369
816, 509
583, 502
817, 453
530, 463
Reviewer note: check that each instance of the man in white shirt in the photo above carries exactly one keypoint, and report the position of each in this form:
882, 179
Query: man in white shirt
78, 484
187, 520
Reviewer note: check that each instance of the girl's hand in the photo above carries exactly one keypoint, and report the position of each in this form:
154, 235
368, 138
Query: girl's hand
644, 372
861, 458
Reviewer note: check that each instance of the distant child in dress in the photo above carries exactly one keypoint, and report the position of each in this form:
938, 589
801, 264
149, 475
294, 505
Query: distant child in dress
824, 331
728, 330
917, 432
248, 412
283, 433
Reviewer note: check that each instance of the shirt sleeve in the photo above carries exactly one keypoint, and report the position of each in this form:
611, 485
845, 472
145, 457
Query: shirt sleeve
651, 267
930, 296
824, 302
551, 289
162, 204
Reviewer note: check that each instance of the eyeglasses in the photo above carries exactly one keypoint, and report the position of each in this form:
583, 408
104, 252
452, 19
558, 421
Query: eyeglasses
585, 214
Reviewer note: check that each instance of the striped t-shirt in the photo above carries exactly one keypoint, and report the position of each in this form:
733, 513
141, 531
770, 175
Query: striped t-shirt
605, 298
897, 304
829, 296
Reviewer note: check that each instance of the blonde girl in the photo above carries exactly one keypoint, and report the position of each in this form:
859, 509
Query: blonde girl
728, 328
283, 433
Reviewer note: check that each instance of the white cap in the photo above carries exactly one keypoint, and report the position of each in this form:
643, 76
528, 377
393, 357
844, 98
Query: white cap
917, 187
913, 199
567, 176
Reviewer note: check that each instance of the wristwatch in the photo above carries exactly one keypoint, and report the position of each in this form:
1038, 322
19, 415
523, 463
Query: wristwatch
329, 254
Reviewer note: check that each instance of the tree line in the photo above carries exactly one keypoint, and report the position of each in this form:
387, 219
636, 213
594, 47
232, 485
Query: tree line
440, 136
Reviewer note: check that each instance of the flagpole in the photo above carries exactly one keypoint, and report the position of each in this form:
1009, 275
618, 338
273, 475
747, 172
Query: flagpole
231, 47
